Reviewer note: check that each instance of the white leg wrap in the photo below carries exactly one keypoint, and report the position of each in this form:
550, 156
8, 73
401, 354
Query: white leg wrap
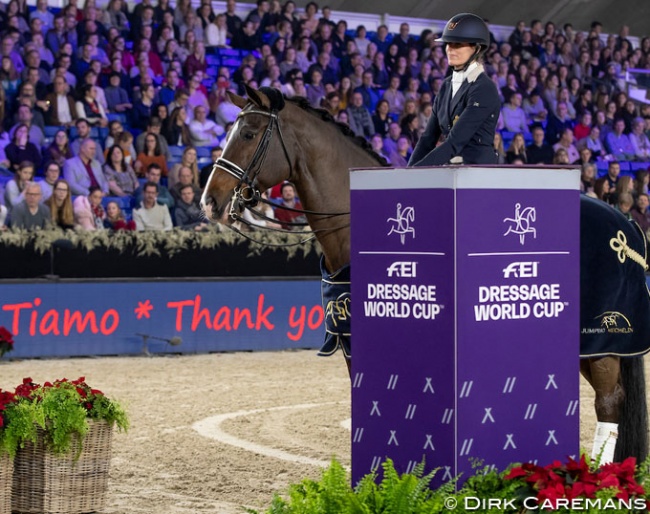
605, 442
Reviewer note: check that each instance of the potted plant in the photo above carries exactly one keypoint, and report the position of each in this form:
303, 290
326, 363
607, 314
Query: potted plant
64, 467
18, 421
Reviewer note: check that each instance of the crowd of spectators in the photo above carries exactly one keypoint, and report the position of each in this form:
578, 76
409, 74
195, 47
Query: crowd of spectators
113, 117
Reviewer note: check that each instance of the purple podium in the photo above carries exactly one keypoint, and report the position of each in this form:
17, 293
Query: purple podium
465, 309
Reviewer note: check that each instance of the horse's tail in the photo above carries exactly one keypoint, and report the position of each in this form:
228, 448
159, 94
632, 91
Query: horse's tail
633, 421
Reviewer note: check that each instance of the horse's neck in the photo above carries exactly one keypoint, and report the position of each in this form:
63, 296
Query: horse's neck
326, 157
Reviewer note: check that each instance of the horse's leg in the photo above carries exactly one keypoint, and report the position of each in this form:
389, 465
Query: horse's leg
348, 363
604, 375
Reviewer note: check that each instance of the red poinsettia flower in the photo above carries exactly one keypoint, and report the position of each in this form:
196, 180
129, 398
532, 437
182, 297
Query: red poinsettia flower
6, 336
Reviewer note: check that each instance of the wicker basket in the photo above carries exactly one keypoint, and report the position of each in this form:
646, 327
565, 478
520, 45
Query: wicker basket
46, 483
6, 470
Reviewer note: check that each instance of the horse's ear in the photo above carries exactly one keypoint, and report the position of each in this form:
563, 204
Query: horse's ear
257, 97
237, 100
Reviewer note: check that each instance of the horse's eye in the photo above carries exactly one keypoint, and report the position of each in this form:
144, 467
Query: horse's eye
248, 136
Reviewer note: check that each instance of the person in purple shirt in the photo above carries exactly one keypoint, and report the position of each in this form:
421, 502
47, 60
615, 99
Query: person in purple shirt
618, 143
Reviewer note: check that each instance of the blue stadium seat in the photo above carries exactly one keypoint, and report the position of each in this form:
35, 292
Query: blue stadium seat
116, 116
638, 166
176, 151
202, 151
50, 131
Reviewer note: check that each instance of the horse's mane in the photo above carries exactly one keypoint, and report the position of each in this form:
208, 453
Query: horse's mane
325, 116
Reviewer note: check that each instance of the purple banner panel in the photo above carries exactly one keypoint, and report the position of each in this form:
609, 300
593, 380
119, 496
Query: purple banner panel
518, 325
402, 307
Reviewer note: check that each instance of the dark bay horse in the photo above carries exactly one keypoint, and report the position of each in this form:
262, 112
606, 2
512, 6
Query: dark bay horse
275, 139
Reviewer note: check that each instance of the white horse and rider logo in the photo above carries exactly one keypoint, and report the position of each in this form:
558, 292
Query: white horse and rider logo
521, 224
401, 223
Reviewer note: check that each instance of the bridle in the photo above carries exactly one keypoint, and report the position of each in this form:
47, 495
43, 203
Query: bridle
246, 193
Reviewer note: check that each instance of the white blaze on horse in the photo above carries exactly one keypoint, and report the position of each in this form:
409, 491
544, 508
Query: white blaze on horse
275, 139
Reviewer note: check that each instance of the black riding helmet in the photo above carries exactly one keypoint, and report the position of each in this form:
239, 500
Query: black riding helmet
467, 28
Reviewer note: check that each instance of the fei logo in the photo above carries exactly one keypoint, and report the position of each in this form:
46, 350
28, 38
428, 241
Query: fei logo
401, 223
521, 270
522, 223
402, 269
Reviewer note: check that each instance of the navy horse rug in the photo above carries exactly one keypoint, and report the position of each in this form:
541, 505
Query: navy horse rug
614, 298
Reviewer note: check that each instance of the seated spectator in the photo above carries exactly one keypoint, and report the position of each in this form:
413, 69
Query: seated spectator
60, 205
90, 109
390, 141
115, 219
121, 177
560, 156
640, 212
125, 142
585, 156
26, 117
394, 96
498, 148
557, 123
62, 111
151, 215
196, 95
613, 173
380, 119
225, 112
52, 174
566, 142
400, 157
31, 214
189, 215
216, 34
88, 211
624, 204
514, 117
411, 128
204, 131
517, 149
154, 174
150, 154
582, 129
153, 127
594, 143
377, 143
639, 140
21, 149
618, 143
206, 171
15, 188
83, 134
284, 216
84, 171
143, 108
117, 98
534, 108
177, 133
185, 178
188, 159
538, 152
59, 150
587, 177
359, 117
115, 128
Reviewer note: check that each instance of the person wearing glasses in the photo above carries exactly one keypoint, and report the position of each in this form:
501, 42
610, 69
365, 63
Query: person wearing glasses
31, 214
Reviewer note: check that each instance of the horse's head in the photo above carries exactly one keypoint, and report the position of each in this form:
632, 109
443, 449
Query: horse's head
254, 158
